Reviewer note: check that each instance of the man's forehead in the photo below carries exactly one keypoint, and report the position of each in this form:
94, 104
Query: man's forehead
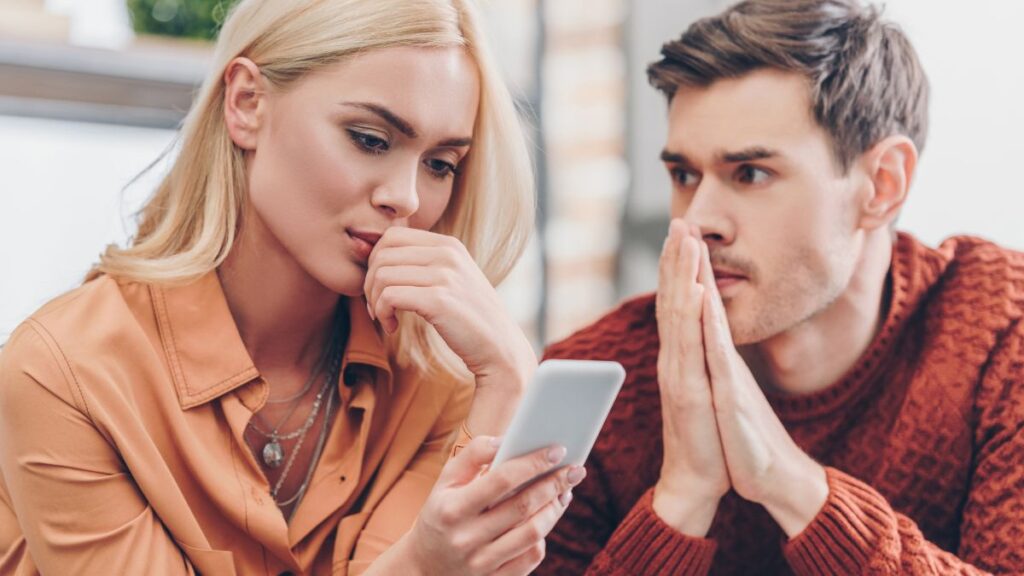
765, 107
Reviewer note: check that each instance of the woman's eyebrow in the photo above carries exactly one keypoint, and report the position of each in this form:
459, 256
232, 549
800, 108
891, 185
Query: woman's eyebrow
388, 116
403, 125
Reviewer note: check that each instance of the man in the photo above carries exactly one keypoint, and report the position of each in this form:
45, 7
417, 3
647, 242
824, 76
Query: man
809, 392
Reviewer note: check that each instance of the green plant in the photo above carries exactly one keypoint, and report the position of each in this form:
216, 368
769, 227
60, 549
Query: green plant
182, 18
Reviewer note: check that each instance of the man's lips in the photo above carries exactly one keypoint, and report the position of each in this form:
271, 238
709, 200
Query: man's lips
725, 278
727, 273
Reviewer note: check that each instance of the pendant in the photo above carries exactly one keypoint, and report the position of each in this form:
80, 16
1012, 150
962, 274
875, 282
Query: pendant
273, 454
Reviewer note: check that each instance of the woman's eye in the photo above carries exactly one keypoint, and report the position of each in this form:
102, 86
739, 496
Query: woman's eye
752, 175
369, 142
441, 168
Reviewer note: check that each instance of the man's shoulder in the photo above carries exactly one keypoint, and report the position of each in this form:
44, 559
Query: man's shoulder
983, 261
983, 281
977, 318
970, 322
627, 330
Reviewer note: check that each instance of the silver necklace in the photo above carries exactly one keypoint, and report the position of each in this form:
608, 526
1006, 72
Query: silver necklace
321, 440
273, 452
298, 445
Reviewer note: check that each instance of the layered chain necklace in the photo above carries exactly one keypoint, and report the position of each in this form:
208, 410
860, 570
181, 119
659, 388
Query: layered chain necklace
273, 453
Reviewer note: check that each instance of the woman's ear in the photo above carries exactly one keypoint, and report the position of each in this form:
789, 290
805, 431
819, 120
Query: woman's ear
244, 101
889, 166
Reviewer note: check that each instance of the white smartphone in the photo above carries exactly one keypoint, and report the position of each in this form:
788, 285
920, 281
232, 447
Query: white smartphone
566, 404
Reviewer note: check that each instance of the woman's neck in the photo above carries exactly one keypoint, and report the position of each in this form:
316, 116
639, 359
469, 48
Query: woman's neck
283, 314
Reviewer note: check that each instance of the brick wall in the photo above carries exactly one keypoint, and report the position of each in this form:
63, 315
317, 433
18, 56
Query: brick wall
584, 113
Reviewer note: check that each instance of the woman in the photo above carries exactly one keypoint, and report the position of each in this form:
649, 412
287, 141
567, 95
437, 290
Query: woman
269, 379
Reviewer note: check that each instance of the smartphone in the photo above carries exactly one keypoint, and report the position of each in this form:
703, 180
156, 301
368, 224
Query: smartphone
566, 404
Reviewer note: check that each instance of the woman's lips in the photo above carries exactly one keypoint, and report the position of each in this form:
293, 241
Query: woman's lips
362, 243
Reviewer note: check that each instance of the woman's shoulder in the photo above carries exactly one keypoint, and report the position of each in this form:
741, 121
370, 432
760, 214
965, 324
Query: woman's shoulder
90, 314
97, 323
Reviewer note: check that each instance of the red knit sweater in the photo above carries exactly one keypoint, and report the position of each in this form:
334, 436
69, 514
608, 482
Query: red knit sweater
923, 442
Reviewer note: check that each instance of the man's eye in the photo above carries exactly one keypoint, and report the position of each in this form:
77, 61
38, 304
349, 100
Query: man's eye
368, 142
752, 175
684, 177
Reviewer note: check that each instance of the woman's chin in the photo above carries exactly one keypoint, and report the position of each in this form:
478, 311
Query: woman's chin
347, 280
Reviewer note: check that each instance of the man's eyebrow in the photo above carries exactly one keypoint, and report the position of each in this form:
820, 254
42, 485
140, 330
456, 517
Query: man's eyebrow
739, 156
747, 155
388, 116
673, 157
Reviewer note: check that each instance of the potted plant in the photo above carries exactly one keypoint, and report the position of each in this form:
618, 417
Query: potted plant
198, 19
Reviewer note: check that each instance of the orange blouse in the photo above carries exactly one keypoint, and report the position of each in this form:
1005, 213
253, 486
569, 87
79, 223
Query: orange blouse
122, 412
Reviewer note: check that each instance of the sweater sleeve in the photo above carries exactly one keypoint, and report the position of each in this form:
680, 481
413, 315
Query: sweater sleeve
858, 532
642, 544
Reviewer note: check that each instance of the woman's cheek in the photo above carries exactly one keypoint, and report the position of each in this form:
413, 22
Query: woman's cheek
432, 207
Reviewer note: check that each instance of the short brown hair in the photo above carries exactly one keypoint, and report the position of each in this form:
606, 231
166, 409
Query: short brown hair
866, 80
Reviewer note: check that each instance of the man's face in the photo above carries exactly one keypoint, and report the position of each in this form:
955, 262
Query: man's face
750, 166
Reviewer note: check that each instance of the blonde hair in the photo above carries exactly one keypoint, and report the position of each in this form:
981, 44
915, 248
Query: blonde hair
187, 228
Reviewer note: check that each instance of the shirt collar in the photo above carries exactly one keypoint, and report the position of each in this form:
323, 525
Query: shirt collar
204, 350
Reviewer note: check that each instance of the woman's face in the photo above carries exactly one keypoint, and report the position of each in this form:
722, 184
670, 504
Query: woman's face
350, 150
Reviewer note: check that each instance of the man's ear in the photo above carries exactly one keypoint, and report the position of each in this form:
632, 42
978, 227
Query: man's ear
889, 168
244, 101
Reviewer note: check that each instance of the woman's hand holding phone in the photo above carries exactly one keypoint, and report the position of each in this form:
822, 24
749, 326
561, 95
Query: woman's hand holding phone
476, 523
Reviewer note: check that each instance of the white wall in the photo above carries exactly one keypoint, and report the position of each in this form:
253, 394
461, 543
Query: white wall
61, 203
967, 181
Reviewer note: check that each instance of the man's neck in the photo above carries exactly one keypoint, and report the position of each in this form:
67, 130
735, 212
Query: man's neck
818, 352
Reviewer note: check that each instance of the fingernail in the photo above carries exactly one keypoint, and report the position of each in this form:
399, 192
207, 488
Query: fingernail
555, 454
495, 441
576, 475
564, 498
369, 310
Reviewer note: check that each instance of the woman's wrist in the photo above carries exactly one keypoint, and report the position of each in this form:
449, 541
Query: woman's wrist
499, 389
512, 370
492, 410
400, 557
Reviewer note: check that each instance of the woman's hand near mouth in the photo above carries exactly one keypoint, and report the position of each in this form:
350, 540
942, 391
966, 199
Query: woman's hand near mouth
434, 276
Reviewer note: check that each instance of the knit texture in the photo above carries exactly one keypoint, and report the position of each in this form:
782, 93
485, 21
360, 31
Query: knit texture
923, 441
